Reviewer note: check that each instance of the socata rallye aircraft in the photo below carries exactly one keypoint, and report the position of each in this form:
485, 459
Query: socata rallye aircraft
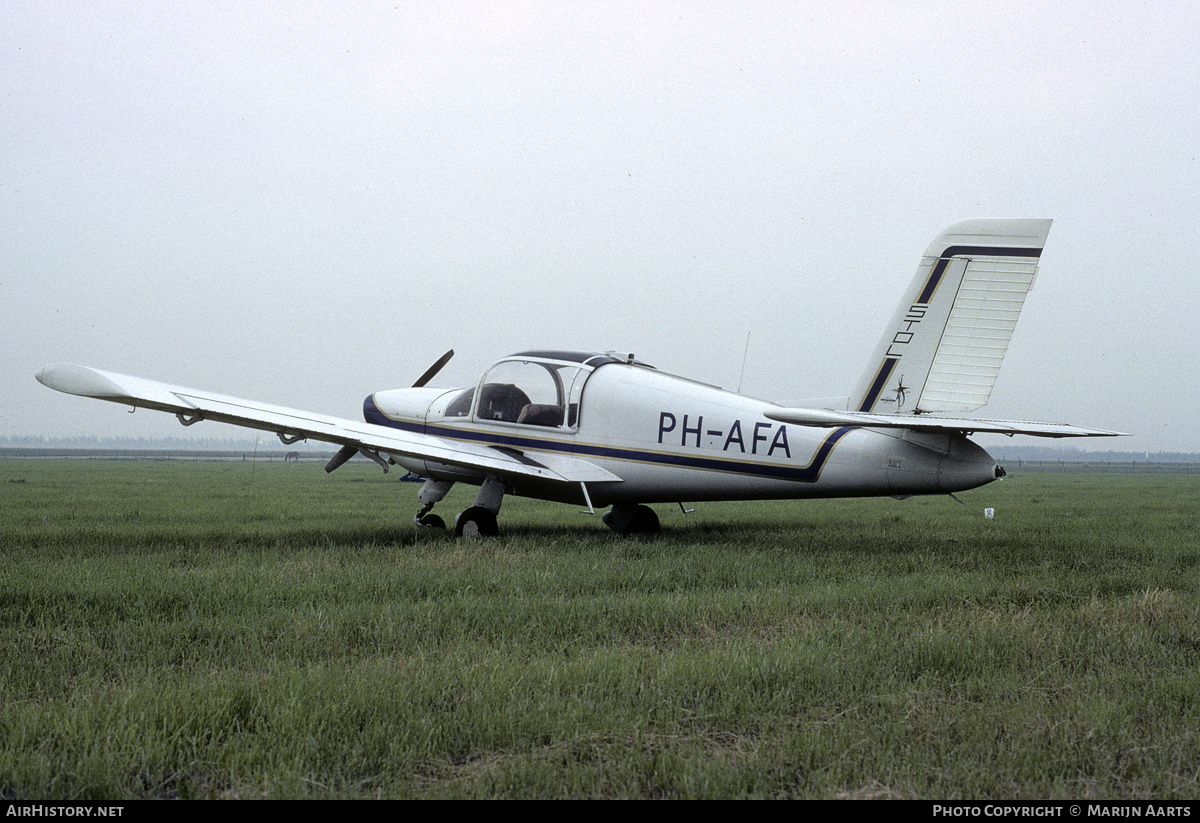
607, 430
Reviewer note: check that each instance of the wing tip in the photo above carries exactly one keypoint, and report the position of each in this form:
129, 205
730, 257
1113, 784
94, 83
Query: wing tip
70, 378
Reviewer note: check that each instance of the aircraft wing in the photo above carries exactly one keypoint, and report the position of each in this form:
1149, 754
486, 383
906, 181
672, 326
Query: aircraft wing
193, 405
828, 418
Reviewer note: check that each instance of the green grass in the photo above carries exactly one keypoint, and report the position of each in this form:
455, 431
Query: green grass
229, 630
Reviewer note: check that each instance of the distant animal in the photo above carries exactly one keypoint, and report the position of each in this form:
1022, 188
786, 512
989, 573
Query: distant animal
291, 456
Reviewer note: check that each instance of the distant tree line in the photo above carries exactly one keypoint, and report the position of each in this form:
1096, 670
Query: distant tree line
265, 441
1075, 455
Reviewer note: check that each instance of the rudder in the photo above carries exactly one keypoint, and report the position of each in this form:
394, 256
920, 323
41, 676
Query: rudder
943, 348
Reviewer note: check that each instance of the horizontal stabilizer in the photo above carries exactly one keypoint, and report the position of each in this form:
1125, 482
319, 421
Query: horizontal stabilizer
827, 418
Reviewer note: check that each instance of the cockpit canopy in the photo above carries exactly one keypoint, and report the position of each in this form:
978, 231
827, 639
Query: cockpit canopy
533, 388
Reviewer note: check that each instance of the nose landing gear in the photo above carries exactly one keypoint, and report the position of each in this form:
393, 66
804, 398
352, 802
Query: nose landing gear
429, 521
431, 492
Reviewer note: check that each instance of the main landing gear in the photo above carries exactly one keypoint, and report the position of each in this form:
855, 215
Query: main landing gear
631, 518
477, 521
480, 519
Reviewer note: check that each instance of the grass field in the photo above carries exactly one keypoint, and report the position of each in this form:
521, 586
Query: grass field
237, 630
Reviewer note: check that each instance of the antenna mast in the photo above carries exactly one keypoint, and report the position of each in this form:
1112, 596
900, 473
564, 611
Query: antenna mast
745, 352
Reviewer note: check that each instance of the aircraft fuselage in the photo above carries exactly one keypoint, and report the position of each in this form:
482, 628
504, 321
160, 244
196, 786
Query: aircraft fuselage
670, 439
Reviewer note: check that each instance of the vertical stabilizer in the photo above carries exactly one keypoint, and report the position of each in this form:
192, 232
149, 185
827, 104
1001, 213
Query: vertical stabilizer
943, 348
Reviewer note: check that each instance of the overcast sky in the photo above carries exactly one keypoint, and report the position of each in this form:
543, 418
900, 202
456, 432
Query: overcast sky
306, 202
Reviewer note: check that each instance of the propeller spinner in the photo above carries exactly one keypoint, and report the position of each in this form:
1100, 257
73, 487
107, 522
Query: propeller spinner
349, 450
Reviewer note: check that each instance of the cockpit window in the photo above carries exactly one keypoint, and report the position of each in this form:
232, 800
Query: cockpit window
529, 393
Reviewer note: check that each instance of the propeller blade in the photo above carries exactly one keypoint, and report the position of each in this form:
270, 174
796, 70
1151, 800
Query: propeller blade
344, 454
434, 369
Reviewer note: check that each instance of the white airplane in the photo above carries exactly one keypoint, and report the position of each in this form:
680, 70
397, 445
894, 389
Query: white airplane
607, 430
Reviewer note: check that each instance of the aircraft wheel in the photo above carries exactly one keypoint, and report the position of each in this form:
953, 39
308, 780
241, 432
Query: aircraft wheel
431, 521
626, 519
476, 522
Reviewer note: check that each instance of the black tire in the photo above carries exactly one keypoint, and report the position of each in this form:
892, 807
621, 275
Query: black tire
626, 520
476, 522
432, 521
